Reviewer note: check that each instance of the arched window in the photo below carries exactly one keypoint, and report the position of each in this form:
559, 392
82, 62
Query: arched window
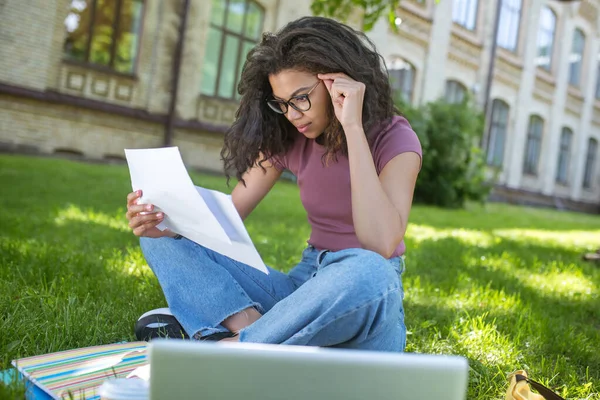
576, 57
455, 91
402, 78
495, 153
545, 40
534, 144
564, 156
590, 163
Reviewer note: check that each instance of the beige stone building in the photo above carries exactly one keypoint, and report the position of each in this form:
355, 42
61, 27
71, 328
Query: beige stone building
92, 77
545, 92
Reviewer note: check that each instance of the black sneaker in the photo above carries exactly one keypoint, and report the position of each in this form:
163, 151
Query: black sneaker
159, 323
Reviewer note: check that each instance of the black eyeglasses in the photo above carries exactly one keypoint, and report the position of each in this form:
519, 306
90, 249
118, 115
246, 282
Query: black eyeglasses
299, 103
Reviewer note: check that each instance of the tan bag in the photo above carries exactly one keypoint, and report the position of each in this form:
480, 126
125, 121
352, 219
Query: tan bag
519, 389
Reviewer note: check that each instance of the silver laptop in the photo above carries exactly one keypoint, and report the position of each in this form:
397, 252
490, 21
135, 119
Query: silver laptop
247, 371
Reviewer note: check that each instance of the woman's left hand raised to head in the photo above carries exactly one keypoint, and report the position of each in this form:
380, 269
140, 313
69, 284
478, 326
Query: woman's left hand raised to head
347, 96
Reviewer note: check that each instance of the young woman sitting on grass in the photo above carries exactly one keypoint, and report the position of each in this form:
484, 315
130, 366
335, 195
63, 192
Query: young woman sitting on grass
316, 100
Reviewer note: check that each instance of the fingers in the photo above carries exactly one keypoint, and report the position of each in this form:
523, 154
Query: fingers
140, 216
334, 80
329, 86
341, 86
133, 196
333, 76
133, 208
328, 83
138, 208
339, 80
141, 223
141, 230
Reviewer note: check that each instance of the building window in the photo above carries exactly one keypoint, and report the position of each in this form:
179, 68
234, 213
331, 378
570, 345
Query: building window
562, 171
510, 19
402, 78
464, 13
545, 40
576, 57
235, 28
534, 144
495, 153
590, 163
455, 91
104, 33
598, 79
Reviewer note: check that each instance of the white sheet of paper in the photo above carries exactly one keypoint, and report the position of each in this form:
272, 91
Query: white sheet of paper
142, 372
207, 217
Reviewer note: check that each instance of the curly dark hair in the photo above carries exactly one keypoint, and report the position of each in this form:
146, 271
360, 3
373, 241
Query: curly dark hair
309, 44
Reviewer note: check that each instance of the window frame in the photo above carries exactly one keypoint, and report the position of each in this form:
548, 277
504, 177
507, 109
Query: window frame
541, 31
113, 48
413, 70
534, 137
598, 78
495, 127
564, 156
580, 62
590, 163
462, 21
241, 38
509, 8
454, 86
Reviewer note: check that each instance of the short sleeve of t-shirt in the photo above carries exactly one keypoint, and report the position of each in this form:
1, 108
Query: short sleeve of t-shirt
396, 138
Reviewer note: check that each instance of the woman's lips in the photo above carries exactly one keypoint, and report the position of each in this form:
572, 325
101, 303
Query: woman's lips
303, 128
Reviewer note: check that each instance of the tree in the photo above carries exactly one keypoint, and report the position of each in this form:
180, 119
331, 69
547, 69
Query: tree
372, 10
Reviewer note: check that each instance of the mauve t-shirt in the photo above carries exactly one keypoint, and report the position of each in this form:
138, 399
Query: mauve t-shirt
325, 189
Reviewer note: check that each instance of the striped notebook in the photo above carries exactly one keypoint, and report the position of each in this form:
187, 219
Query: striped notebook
77, 374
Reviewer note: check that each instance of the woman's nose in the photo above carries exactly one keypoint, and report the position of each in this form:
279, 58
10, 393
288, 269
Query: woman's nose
293, 114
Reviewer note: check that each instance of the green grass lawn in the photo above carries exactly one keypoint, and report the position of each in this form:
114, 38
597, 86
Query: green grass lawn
502, 285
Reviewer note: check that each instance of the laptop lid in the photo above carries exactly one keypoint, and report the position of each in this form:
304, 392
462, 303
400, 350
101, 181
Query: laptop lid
248, 371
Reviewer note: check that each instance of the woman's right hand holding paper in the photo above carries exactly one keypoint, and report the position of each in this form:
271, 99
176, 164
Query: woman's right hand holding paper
142, 218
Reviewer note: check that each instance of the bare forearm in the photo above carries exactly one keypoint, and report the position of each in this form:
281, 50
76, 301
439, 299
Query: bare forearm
241, 203
258, 183
377, 222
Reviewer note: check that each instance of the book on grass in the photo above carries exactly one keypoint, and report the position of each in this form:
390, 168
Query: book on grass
77, 374
207, 217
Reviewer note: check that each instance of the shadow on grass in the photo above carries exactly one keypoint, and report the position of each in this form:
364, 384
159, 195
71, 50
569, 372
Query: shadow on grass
57, 295
72, 276
546, 318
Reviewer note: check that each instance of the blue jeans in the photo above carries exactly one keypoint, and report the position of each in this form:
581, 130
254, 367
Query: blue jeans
350, 298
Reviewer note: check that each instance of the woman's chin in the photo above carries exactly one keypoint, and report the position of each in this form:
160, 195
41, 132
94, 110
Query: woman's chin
312, 134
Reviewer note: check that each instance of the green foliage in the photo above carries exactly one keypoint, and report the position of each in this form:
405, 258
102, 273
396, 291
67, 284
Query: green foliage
453, 170
371, 10
14, 390
504, 286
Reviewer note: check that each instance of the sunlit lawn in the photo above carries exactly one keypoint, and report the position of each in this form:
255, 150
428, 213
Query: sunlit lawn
501, 285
